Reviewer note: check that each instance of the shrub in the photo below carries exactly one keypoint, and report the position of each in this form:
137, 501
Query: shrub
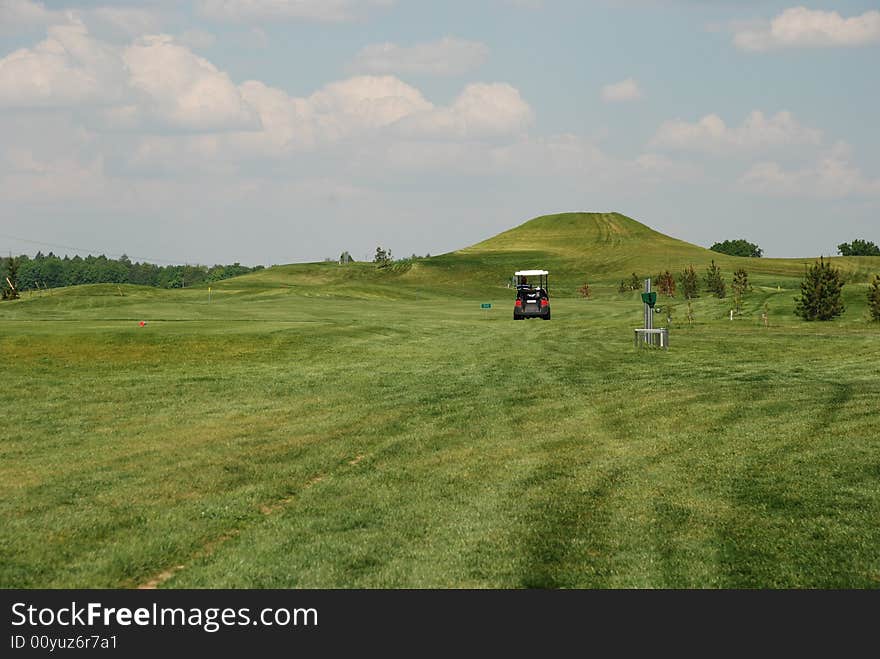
585, 291
666, 284
874, 298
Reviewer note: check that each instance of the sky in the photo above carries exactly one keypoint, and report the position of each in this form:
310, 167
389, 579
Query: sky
285, 131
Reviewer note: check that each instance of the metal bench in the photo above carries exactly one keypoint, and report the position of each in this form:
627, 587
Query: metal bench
647, 336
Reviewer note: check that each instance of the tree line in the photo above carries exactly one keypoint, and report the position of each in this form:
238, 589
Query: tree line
742, 247
51, 271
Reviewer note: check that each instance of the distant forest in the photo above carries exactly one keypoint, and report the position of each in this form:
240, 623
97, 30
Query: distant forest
50, 271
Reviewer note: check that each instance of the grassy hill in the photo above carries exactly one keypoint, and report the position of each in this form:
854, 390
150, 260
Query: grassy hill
601, 248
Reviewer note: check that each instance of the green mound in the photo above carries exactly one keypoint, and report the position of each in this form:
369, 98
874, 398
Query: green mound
603, 248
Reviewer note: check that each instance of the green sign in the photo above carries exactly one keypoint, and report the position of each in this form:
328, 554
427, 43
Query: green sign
485, 305
650, 298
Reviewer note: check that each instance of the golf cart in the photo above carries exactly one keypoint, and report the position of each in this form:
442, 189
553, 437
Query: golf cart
532, 298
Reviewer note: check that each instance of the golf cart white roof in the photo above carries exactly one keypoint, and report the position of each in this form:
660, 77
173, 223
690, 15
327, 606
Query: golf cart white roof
530, 273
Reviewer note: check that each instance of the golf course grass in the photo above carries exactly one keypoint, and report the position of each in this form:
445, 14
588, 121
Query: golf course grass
326, 426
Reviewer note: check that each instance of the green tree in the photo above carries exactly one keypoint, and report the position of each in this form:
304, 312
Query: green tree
383, 257
821, 295
874, 298
345, 258
714, 281
689, 285
10, 279
739, 247
858, 247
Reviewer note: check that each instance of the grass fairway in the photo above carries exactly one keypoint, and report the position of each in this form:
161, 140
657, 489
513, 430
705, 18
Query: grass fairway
284, 436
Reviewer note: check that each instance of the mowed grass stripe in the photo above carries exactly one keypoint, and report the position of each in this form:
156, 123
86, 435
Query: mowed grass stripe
550, 455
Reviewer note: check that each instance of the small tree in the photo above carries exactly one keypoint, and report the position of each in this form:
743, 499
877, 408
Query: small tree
689, 286
666, 284
635, 284
585, 291
714, 281
740, 287
874, 298
345, 258
624, 287
741, 283
10, 279
821, 293
383, 257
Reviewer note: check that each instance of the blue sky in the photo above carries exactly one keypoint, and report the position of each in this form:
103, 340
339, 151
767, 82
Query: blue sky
277, 131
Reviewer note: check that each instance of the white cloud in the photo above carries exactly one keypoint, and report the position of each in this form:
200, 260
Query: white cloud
182, 90
156, 84
625, 90
358, 109
800, 27
245, 11
757, 132
480, 111
367, 101
67, 68
365, 114
832, 177
446, 57
153, 82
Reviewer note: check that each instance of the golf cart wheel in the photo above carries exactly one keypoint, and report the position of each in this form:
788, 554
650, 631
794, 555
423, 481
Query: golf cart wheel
547, 317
